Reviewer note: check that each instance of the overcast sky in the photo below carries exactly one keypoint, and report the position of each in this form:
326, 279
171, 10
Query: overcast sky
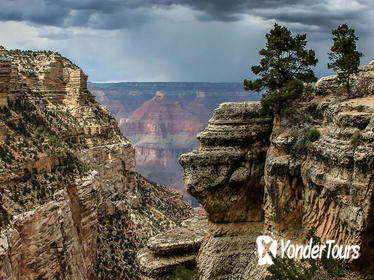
176, 40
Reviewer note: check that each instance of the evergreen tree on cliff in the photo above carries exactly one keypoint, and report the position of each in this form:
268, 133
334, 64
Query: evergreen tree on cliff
284, 67
344, 56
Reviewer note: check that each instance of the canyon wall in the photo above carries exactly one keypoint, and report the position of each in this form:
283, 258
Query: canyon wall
311, 165
51, 211
71, 203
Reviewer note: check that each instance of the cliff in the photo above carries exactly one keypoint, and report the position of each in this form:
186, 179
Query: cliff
311, 165
72, 205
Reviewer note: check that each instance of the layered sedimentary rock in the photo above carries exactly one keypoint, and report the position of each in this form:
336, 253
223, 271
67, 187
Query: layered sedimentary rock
175, 247
8, 80
325, 183
310, 166
49, 209
50, 74
225, 174
71, 203
118, 173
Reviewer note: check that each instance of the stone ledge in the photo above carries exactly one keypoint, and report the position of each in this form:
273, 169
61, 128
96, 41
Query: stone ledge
167, 250
187, 238
152, 265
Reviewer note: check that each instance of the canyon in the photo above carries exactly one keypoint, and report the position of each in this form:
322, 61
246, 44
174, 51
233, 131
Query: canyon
72, 205
162, 120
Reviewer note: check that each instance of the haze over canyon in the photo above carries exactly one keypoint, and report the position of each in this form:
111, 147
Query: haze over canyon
162, 120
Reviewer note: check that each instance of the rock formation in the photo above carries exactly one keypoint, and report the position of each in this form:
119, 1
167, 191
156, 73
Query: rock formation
226, 176
162, 120
71, 203
255, 174
175, 247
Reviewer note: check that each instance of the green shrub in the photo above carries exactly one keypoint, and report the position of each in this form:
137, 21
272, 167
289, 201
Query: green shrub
4, 217
26, 175
182, 272
313, 135
309, 89
356, 138
299, 146
35, 184
3, 152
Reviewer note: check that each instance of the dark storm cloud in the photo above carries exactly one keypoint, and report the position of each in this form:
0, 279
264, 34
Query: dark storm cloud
117, 14
37, 11
67, 13
321, 15
324, 14
222, 10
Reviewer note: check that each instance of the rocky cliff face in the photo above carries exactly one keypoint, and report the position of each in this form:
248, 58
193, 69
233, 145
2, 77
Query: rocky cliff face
71, 203
254, 175
226, 176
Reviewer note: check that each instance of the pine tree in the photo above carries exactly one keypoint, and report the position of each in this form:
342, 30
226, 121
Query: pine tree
284, 67
344, 56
